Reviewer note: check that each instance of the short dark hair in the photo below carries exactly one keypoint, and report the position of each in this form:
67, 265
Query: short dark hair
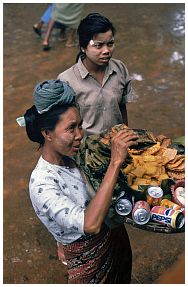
92, 24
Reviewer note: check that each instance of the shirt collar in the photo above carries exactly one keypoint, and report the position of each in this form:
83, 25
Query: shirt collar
111, 68
82, 69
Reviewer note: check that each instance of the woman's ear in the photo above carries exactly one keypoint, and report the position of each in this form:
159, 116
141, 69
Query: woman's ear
47, 135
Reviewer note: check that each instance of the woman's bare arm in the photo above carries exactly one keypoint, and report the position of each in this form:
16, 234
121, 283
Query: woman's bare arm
97, 209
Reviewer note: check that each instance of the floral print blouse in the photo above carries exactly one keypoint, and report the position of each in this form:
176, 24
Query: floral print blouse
59, 197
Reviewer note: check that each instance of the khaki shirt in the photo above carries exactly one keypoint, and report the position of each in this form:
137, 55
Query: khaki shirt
100, 104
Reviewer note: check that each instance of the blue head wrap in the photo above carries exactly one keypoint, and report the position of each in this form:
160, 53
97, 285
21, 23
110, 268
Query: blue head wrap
50, 93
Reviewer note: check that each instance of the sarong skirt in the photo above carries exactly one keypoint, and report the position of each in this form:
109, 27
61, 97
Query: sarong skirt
102, 258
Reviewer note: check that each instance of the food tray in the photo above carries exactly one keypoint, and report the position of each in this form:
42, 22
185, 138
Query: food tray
153, 226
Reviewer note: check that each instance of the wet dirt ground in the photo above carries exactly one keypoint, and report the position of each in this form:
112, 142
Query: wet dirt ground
150, 40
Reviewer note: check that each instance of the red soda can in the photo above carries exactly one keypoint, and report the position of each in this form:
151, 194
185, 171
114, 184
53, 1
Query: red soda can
168, 216
141, 212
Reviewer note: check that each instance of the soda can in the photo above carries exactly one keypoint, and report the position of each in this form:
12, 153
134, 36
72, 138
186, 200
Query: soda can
170, 204
168, 216
123, 205
154, 195
141, 212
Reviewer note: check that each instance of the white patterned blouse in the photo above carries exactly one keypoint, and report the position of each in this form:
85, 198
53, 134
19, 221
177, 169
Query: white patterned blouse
59, 197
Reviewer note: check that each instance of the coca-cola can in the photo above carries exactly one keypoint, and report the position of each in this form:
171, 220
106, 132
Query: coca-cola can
168, 216
123, 205
141, 212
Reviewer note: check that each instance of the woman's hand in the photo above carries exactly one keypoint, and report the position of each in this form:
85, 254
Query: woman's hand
119, 145
98, 207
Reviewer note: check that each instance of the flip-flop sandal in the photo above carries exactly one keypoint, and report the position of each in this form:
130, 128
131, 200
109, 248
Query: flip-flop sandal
37, 31
46, 47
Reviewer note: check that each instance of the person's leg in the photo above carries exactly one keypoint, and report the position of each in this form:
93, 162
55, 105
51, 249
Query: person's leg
62, 30
47, 35
61, 254
47, 14
38, 27
44, 19
70, 38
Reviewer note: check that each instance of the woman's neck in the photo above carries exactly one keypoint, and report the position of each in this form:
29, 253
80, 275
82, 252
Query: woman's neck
57, 159
92, 67
95, 70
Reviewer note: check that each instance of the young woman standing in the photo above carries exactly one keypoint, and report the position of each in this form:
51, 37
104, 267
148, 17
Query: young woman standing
101, 83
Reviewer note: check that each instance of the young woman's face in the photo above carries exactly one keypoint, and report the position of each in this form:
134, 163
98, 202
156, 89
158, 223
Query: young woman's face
66, 138
100, 48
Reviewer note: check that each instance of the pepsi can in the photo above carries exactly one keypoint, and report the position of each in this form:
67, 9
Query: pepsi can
168, 216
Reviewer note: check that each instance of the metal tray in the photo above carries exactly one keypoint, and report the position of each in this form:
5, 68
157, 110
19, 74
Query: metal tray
153, 226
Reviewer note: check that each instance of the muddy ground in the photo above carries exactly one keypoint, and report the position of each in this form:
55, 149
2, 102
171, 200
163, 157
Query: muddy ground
29, 251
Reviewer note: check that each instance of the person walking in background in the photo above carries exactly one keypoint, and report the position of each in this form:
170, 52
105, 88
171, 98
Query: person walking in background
59, 195
69, 15
45, 19
101, 83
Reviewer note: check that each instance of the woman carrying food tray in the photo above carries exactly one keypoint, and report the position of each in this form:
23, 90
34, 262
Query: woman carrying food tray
92, 251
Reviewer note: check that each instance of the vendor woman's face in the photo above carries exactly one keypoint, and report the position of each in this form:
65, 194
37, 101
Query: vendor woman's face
100, 48
66, 138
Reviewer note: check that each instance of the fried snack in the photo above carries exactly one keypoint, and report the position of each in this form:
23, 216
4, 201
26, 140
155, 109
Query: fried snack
164, 141
150, 168
176, 162
169, 154
106, 139
153, 149
176, 175
142, 181
180, 167
135, 151
128, 168
161, 151
153, 161
145, 138
153, 165
139, 171
152, 158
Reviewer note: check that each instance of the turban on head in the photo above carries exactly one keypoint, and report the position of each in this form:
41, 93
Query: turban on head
50, 93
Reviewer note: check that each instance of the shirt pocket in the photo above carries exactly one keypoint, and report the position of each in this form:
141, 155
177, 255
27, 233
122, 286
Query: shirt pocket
90, 114
116, 94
